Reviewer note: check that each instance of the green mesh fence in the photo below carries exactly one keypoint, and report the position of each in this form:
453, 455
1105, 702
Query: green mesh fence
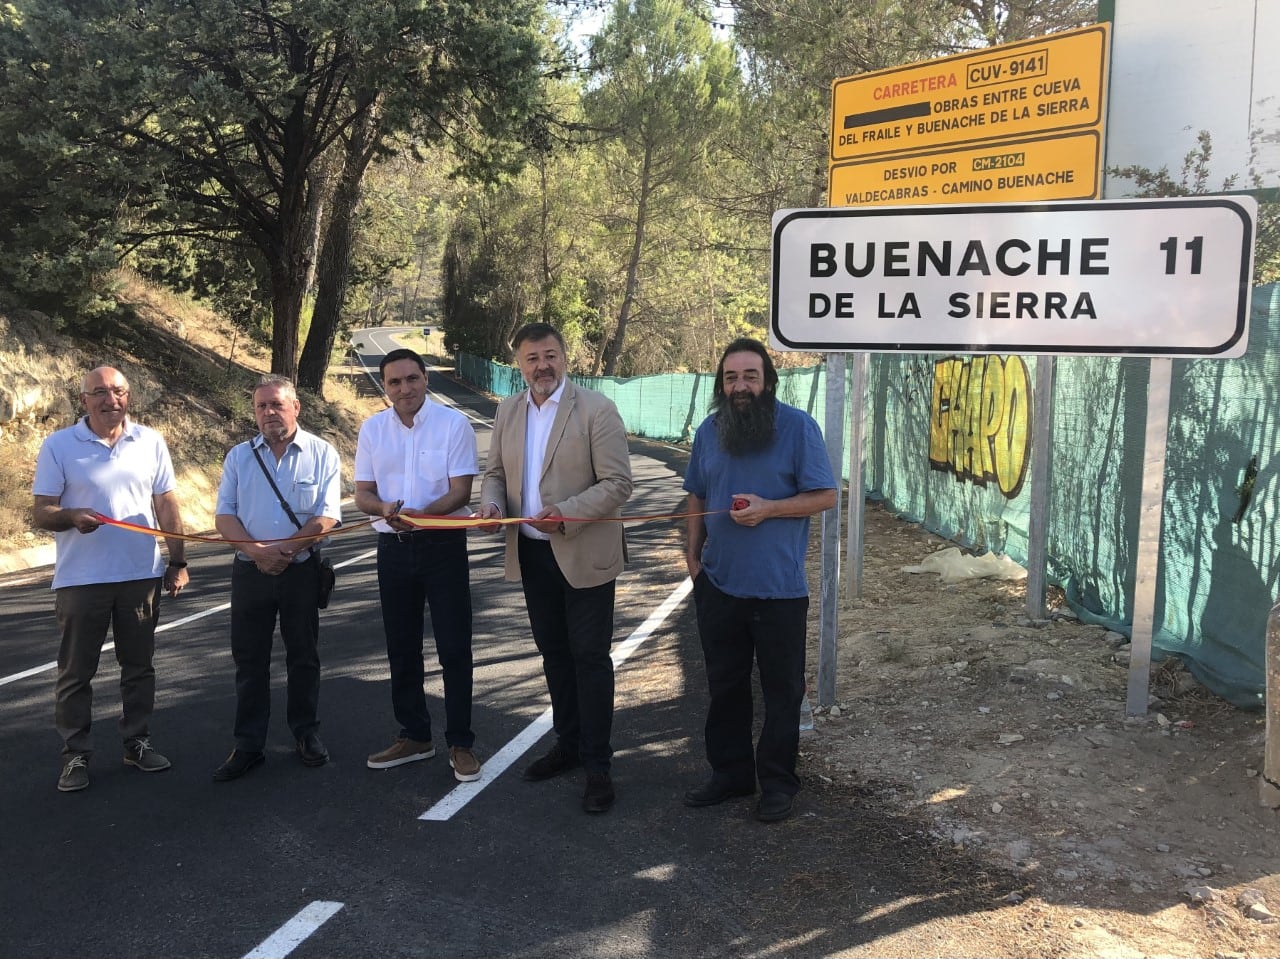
947, 443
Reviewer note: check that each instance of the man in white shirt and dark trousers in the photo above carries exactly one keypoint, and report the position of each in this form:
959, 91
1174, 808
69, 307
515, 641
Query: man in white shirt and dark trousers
418, 458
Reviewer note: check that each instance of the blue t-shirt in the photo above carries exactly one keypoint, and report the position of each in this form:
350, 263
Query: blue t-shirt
765, 561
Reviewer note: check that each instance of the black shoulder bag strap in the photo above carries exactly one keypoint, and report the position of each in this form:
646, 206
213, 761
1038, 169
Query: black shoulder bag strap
315, 546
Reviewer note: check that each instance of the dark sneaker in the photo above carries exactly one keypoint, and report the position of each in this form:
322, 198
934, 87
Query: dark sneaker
311, 750
75, 775
237, 764
466, 768
555, 762
139, 754
598, 796
400, 752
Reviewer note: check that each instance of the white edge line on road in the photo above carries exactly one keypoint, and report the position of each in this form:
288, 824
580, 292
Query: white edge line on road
289, 936
463, 793
36, 670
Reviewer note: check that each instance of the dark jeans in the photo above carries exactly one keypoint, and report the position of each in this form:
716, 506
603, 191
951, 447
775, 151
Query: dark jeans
734, 633
428, 569
256, 599
84, 613
573, 629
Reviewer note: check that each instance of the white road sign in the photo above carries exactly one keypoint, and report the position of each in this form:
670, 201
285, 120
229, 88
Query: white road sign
1166, 277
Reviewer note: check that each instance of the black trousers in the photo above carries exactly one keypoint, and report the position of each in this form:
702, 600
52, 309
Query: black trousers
573, 629
256, 600
735, 633
417, 572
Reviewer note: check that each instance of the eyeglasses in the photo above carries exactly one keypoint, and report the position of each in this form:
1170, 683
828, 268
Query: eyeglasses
101, 393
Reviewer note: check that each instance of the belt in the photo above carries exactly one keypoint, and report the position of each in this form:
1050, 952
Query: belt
406, 537
413, 535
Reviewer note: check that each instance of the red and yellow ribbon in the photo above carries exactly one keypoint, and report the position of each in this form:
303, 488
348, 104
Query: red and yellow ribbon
422, 522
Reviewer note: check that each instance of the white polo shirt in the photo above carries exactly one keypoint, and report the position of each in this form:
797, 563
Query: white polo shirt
84, 471
415, 463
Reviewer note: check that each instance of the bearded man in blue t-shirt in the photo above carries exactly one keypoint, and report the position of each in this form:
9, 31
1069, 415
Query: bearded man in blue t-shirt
759, 469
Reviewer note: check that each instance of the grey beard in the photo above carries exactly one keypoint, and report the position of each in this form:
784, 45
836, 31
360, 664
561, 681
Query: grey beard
746, 429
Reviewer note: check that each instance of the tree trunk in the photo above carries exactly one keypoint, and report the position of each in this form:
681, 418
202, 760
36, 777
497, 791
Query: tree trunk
613, 349
334, 273
288, 281
287, 244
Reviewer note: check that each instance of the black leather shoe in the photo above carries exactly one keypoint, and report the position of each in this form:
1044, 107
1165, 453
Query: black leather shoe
598, 796
555, 762
236, 765
713, 792
773, 807
311, 750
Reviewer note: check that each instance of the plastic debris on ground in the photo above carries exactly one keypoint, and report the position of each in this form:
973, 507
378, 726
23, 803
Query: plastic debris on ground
954, 566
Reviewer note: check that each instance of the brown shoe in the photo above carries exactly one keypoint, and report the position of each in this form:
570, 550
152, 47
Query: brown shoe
400, 752
466, 768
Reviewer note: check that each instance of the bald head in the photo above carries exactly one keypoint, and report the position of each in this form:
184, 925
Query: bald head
103, 377
105, 394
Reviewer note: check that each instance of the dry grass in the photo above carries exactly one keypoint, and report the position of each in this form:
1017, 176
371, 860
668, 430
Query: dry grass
191, 373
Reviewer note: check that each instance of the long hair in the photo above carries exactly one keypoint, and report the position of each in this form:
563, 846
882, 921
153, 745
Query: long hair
745, 344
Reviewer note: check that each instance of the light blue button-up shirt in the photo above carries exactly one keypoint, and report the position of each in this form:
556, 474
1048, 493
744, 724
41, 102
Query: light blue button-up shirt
308, 475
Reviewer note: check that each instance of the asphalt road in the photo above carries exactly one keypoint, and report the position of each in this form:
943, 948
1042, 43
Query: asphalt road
339, 861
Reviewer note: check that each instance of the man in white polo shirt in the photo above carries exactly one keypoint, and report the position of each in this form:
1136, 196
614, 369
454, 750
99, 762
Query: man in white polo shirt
105, 576
419, 458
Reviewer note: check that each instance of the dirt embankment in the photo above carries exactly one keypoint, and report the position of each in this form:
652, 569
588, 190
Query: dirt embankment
1007, 738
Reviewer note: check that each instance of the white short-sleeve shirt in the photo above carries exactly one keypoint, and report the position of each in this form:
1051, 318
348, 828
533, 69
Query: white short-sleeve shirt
415, 463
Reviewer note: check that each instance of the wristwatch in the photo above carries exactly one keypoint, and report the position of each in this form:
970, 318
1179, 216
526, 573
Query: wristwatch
173, 563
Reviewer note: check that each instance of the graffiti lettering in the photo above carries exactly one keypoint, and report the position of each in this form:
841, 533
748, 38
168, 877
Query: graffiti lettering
979, 422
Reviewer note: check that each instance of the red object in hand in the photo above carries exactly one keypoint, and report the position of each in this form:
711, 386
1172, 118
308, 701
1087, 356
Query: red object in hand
740, 503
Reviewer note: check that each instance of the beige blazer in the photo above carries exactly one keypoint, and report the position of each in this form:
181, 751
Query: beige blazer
586, 473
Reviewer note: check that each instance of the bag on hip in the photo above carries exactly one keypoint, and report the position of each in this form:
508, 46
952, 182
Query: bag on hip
328, 578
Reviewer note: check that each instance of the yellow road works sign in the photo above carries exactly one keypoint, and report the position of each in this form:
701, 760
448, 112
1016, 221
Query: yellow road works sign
1065, 167
1049, 84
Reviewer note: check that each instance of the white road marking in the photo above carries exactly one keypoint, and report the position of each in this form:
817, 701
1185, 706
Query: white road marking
463, 793
289, 936
36, 670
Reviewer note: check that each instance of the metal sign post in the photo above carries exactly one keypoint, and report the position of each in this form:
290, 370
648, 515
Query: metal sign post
857, 486
1149, 518
830, 598
1041, 468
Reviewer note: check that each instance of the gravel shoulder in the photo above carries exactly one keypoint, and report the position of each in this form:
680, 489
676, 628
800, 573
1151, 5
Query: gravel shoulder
1006, 739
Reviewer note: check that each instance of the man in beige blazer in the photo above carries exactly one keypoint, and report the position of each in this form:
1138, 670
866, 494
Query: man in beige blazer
559, 450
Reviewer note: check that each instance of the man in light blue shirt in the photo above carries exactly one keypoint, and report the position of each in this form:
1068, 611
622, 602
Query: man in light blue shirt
107, 465
276, 571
